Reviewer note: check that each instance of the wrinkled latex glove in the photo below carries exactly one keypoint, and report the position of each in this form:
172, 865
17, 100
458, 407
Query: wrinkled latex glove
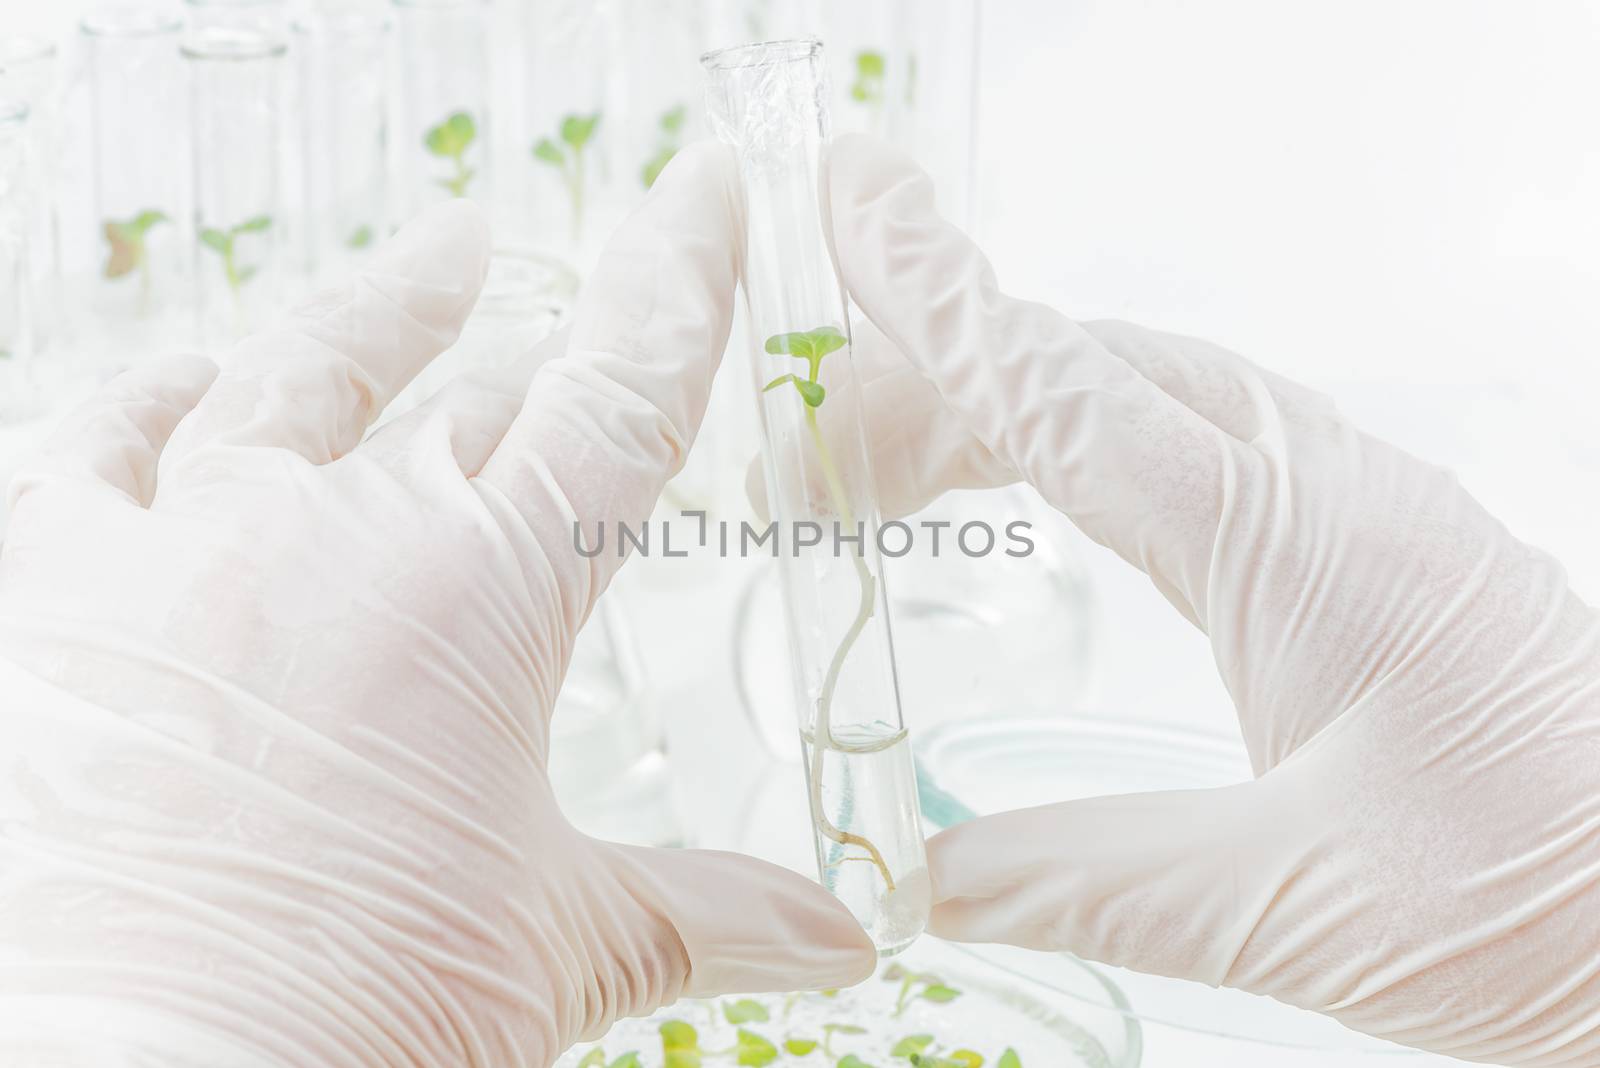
276, 703
1419, 692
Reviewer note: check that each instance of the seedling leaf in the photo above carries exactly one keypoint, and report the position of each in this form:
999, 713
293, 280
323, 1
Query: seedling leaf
677, 1035
911, 1044
548, 151
966, 1058
850, 1060
361, 237
215, 239
755, 1051
869, 64
254, 225
672, 121
1009, 1059
844, 1029
627, 1060
593, 1059
452, 136
745, 1011
812, 393
939, 993
799, 1047
577, 129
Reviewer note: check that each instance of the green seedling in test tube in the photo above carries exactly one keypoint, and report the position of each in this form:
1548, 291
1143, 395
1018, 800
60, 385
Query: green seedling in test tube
566, 154
224, 243
671, 124
813, 346
128, 254
450, 140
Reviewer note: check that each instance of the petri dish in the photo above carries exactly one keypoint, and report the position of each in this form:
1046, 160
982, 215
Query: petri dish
942, 997
969, 769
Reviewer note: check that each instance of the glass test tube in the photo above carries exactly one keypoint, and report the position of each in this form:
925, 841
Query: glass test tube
235, 84
659, 85
766, 100
442, 129
17, 391
28, 73
269, 17
567, 129
342, 59
136, 102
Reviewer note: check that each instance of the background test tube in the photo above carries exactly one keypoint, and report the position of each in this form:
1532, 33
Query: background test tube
29, 73
17, 390
136, 103
765, 100
442, 129
235, 82
342, 61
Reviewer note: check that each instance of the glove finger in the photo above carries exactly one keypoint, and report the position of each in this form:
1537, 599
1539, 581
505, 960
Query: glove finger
920, 448
465, 421
745, 926
611, 419
1172, 884
113, 442
315, 383
1133, 468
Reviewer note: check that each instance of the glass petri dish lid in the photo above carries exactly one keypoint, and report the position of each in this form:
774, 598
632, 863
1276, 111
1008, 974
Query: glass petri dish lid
985, 766
934, 999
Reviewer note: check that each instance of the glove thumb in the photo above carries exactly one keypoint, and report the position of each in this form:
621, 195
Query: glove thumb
747, 926
1172, 883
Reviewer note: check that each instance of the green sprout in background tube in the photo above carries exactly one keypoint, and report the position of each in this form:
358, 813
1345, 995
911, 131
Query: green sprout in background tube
567, 156
671, 130
223, 243
812, 346
868, 86
128, 253
450, 140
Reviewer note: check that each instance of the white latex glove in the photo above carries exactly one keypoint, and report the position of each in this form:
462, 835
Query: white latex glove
1419, 855
274, 705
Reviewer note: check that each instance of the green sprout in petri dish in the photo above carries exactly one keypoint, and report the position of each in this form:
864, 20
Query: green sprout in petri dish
812, 346
681, 1043
565, 152
450, 140
128, 254
671, 132
223, 243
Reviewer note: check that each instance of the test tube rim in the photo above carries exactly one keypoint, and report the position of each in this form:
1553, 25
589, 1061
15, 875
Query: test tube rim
796, 49
129, 22
438, 5
15, 49
344, 22
243, 45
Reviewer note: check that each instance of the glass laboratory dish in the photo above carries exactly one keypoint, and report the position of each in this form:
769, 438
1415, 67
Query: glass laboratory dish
977, 768
938, 998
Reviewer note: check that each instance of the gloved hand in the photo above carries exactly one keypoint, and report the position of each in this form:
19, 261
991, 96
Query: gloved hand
1419, 692
276, 703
